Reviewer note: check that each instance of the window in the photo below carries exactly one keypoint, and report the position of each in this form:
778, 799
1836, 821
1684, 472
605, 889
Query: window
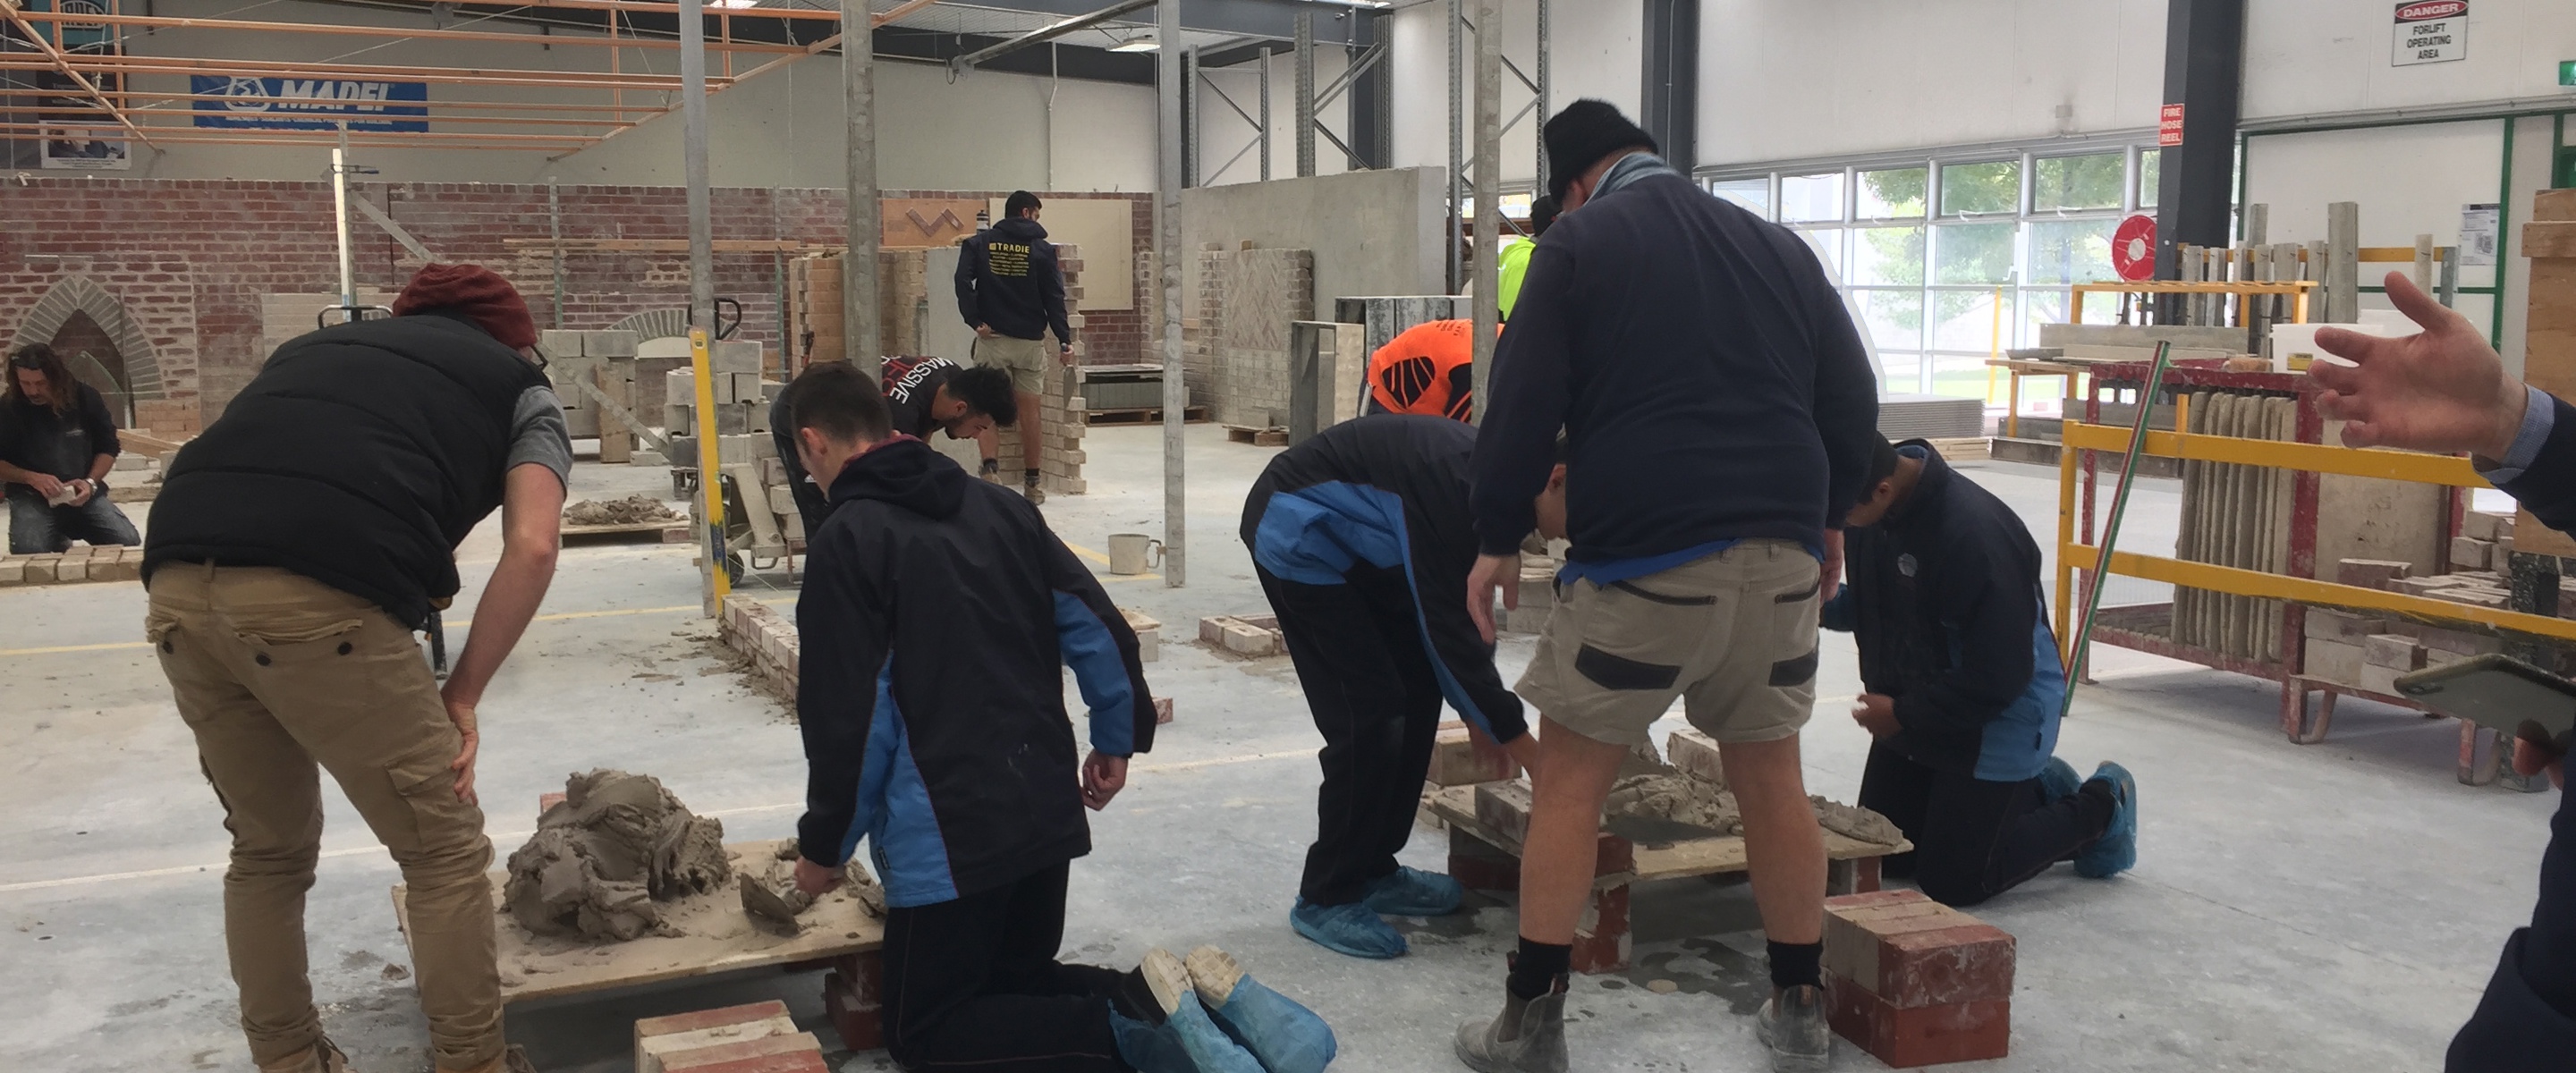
1753, 194
2149, 171
2070, 251
1828, 244
1891, 194
1810, 198
1883, 256
1991, 187
2077, 183
1974, 253
1895, 320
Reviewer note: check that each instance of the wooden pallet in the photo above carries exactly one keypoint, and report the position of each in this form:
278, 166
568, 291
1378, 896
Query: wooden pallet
1258, 437
716, 936
1193, 415
674, 531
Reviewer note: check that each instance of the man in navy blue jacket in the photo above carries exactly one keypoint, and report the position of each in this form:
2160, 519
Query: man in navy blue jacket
1965, 686
1719, 414
1362, 539
2446, 390
940, 736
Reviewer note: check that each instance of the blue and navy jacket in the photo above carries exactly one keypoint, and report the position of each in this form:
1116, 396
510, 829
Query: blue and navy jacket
937, 614
1388, 492
1944, 600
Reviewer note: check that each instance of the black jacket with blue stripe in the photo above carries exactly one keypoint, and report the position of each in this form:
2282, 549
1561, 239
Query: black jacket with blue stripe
936, 614
1389, 490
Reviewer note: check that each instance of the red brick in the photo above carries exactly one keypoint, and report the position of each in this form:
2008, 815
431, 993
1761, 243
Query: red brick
1914, 952
729, 1057
1923, 1035
798, 1062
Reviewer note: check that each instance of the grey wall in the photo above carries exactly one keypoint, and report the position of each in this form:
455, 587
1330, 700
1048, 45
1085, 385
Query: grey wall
1372, 232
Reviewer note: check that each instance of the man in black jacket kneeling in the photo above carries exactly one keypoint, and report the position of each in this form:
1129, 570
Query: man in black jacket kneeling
940, 735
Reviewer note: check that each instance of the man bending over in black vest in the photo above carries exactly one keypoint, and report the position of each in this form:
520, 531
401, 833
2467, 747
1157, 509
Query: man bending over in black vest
294, 549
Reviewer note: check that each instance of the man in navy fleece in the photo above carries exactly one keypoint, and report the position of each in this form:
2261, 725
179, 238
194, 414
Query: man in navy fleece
2446, 390
1719, 416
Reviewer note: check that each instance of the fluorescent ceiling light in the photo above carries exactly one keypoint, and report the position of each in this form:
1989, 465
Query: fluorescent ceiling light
735, 3
1136, 44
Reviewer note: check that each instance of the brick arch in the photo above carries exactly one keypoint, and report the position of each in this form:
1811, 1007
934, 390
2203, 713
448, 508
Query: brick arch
80, 294
655, 324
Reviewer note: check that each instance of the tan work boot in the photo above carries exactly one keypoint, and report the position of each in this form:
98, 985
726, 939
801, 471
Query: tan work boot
325, 1057
514, 1059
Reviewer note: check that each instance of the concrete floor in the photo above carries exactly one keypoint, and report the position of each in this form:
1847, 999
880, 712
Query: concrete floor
2326, 908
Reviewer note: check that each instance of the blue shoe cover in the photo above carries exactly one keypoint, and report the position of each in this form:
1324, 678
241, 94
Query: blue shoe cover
2117, 850
1412, 892
1285, 1035
1352, 929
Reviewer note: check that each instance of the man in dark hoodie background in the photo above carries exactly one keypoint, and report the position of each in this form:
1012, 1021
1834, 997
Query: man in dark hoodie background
1011, 291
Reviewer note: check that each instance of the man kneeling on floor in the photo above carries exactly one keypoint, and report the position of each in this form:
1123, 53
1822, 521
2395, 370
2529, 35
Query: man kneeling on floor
1965, 687
941, 736
1363, 539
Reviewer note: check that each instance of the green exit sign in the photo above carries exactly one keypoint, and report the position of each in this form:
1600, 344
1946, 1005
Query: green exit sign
2567, 72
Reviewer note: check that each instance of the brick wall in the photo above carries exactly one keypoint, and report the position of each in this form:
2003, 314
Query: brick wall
190, 260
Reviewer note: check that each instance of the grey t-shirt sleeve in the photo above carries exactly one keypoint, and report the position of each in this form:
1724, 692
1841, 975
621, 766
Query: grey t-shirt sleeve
539, 435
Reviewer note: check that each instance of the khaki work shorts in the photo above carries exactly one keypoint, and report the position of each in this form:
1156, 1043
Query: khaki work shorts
1733, 635
1029, 360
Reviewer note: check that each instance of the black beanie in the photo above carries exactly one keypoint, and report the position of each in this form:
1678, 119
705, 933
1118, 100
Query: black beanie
1581, 135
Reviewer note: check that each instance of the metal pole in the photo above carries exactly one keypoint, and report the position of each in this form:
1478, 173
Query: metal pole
554, 228
860, 331
1543, 86
1190, 149
1305, 94
1489, 215
340, 217
1167, 254
702, 290
1457, 145
2111, 535
1265, 113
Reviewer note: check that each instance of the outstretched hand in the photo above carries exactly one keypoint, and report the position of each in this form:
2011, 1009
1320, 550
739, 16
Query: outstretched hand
2441, 390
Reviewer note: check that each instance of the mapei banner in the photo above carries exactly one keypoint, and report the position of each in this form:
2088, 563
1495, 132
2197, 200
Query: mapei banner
310, 103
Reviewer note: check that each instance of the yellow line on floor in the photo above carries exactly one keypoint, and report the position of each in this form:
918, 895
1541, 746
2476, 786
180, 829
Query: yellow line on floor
457, 624
514, 837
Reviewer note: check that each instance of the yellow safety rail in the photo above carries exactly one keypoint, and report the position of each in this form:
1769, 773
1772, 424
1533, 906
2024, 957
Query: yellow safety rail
2449, 470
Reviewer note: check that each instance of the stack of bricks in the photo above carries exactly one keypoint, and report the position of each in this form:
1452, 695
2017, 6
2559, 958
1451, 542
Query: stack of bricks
1915, 982
753, 1038
2485, 541
1254, 636
80, 562
169, 419
1247, 299
764, 636
2477, 588
1462, 755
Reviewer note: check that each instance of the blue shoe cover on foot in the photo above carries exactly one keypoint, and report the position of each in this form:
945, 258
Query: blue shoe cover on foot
1412, 892
2117, 850
1352, 929
1206, 1044
1281, 1032
1150, 1048
2058, 781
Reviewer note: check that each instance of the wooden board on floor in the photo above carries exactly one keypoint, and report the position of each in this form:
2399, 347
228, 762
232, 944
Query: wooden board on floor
1672, 860
715, 937
1190, 416
670, 531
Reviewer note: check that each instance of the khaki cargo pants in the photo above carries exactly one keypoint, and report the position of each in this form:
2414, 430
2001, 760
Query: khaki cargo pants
276, 673
1732, 635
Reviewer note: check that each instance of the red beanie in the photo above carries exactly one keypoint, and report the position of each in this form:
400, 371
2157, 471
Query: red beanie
475, 291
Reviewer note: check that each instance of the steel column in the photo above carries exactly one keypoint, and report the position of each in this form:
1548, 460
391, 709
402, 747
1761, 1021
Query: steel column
1457, 144
1174, 75
2204, 73
702, 289
1543, 86
860, 330
1265, 114
1489, 190
1305, 93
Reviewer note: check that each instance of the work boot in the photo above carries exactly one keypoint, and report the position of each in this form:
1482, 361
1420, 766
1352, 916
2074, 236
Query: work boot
513, 1059
2117, 850
1286, 1036
1206, 1044
1527, 1037
325, 1057
1793, 1026
1029, 487
991, 471
1412, 892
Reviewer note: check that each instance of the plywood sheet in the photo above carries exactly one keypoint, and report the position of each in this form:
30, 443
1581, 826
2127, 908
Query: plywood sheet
716, 936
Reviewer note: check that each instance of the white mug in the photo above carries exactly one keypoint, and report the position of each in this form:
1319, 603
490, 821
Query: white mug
1130, 553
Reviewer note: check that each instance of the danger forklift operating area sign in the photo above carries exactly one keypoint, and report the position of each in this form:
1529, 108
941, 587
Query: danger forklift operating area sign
2431, 31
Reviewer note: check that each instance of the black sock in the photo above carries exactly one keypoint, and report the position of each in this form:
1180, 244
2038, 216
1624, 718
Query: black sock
1797, 964
2095, 803
1029, 477
1535, 968
1133, 998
